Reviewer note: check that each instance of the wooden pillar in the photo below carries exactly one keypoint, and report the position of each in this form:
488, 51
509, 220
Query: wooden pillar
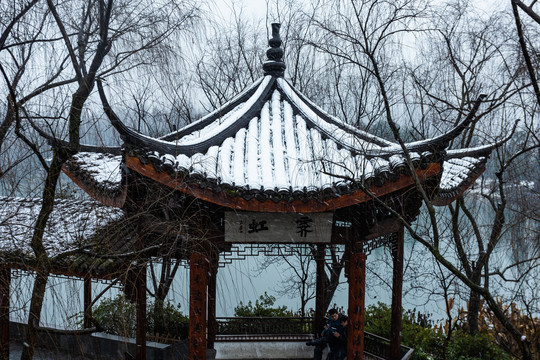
319, 291
397, 286
198, 285
141, 312
212, 285
87, 290
5, 280
357, 299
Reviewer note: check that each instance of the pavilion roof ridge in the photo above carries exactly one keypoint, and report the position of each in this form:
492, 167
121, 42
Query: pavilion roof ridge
222, 125
304, 105
482, 150
458, 174
216, 114
234, 116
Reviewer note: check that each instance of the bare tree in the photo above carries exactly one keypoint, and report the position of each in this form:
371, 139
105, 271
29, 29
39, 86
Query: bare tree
525, 42
87, 39
230, 61
298, 281
464, 52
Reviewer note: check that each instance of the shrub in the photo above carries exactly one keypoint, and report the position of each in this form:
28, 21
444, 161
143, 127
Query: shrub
419, 333
263, 307
523, 320
167, 320
117, 316
377, 319
464, 346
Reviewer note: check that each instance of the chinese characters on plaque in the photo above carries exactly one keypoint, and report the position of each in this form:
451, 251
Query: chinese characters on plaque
255, 227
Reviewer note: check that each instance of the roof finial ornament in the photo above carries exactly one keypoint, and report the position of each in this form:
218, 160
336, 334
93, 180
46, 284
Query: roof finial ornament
274, 65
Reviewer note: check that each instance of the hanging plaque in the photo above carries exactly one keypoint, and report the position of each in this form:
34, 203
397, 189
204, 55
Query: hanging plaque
258, 227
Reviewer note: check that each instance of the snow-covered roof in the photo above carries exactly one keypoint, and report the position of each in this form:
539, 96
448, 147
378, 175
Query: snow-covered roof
272, 143
72, 226
275, 144
282, 145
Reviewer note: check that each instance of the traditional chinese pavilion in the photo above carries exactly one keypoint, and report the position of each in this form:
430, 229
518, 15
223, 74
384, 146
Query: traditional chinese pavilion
269, 167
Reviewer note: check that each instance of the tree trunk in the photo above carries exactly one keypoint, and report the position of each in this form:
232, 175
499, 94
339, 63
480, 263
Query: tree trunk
34, 317
161, 291
6, 123
5, 281
42, 258
159, 316
474, 309
474, 300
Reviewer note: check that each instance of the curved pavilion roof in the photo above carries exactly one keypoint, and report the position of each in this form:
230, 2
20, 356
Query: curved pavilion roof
272, 149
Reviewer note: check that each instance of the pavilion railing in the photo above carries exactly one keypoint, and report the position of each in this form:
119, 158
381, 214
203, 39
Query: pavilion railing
264, 328
292, 329
380, 347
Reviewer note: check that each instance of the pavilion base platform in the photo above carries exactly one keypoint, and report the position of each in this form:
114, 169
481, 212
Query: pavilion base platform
266, 350
293, 346
226, 350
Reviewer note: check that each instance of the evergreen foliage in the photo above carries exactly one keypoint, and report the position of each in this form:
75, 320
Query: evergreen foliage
429, 342
118, 316
264, 306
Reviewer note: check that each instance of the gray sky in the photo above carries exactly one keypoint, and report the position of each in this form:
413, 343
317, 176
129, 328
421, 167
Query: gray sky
258, 8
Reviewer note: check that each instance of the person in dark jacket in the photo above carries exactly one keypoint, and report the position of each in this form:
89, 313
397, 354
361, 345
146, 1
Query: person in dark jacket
338, 343
332, 326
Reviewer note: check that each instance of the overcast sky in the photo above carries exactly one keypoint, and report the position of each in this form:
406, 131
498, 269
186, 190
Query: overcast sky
258, 8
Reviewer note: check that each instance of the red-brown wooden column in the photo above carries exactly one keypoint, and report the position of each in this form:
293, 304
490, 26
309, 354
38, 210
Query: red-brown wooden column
5, 280
198, 285
397, 286
357, 299
212, 285
87, 293
141, 313
319, 291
